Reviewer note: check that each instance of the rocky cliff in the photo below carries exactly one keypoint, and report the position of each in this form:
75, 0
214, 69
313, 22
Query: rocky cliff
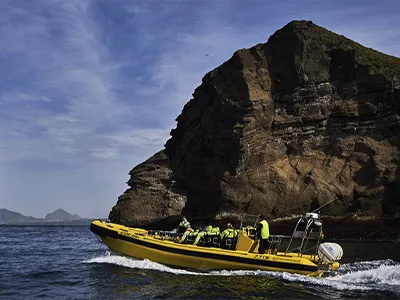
280, 129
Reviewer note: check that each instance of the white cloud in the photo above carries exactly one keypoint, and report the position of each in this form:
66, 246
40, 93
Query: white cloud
21, 98
59, 105
136, 9
179, 69
66, 61
140, 138
105, 153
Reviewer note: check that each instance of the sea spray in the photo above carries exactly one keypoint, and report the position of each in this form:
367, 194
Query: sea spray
136, 264
383, 274
366, 275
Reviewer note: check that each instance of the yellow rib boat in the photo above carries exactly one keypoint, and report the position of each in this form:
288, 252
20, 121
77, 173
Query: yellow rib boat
239, 254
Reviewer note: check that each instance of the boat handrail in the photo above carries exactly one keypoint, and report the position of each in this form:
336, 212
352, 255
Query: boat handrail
306, 234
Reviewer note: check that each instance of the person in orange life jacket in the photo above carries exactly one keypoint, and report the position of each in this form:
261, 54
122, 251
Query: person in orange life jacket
263, 234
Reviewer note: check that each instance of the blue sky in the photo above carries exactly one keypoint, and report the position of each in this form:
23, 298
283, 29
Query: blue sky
90, 89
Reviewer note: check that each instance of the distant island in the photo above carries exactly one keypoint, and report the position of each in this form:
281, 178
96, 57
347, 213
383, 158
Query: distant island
61, 215
58, 217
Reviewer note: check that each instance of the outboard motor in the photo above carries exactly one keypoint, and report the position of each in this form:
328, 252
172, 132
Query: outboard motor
330, 252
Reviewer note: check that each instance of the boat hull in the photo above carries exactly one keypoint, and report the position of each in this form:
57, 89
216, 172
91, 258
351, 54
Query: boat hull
136, 243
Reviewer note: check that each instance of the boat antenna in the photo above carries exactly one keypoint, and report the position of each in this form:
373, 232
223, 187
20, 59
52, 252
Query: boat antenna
323, 205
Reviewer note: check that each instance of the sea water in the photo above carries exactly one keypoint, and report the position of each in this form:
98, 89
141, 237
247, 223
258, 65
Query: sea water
70, 263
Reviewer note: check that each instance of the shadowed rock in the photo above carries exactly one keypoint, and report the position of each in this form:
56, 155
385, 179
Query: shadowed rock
278, 129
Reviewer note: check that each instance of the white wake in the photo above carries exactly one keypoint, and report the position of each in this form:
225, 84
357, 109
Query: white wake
369, 275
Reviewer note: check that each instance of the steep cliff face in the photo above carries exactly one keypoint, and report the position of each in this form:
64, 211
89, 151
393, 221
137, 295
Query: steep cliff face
152, 194
280, 128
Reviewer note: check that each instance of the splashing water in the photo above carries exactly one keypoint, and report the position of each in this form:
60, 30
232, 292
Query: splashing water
375, 272
145, 264
367, 275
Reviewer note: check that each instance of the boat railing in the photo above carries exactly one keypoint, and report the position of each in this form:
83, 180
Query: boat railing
214, 240
306, 235
206, 240
165, 234
274, 242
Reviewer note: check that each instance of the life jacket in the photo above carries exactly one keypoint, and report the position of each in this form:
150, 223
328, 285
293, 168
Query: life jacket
212, 230
194, 232
183, 226
215, 230
229, 233
264, 229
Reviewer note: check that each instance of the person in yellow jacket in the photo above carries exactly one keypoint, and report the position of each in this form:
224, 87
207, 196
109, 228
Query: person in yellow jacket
210, 230
229, 232
263, 234
189, 231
